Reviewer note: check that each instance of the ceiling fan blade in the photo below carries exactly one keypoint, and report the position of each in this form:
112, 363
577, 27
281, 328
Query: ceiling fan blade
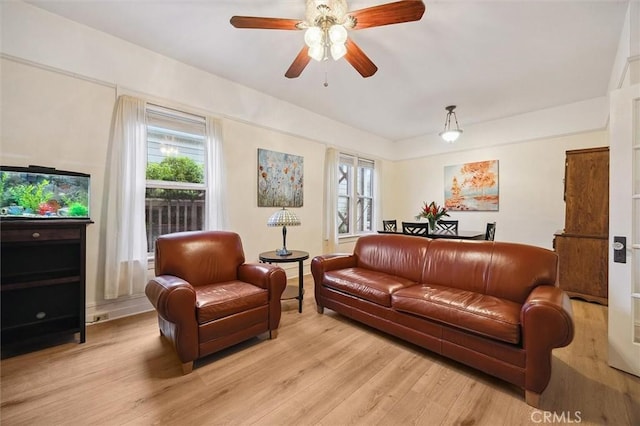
359, 60
264, 23
387, 14
299, 63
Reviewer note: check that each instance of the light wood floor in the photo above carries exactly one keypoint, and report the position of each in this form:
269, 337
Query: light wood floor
322, 369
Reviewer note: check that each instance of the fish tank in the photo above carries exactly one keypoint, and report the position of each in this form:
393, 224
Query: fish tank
37, 192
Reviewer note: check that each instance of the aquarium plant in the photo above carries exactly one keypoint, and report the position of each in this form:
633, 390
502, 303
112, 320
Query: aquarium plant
31, 196
78, 209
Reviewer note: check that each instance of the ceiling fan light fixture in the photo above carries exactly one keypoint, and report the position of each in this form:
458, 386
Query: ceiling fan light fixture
313, 36
321, 40
450, 135
338, 50
337, 34
316, 52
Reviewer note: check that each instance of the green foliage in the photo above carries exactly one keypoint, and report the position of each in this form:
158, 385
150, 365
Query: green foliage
30, 196
77, 209
175, 169
3, 198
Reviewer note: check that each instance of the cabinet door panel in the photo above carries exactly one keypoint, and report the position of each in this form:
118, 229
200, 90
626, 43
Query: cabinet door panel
587, 192
583, 267
40, 304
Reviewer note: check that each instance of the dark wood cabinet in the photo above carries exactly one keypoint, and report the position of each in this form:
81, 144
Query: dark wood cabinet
42, 270
582, 246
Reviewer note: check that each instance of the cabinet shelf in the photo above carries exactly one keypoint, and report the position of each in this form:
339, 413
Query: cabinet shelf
42, 283
21, 284
40, 322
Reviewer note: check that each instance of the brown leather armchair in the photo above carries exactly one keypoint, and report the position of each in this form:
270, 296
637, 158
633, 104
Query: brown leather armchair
207, 298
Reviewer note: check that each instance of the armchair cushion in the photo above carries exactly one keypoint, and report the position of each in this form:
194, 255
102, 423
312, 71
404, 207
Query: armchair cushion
220, 300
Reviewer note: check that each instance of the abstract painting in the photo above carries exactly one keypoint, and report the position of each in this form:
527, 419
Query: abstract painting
471, 186
280, 179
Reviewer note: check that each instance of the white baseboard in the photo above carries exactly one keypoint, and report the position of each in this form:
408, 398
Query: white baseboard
107, 310
118, 308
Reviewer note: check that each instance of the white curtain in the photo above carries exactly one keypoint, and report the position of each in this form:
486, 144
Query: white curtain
332, 157
216, 217
125, 237
377, 195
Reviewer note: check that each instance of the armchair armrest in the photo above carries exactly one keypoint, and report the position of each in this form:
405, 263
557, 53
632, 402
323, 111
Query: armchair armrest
175, 301
270, 277
547, 323
263, 275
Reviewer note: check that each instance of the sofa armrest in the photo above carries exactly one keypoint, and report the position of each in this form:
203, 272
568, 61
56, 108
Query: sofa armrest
175, 302
270, 277
324, 263
330, 262
547, 323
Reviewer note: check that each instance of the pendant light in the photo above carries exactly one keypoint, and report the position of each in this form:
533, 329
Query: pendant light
448, 134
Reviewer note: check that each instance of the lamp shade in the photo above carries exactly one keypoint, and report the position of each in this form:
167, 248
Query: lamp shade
450, 135
283, 217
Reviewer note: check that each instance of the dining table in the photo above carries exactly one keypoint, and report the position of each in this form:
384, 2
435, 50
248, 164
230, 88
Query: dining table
459, 235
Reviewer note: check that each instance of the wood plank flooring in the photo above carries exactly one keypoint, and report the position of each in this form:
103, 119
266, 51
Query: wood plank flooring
322, 369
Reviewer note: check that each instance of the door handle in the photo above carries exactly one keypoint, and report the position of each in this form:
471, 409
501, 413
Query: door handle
620, 249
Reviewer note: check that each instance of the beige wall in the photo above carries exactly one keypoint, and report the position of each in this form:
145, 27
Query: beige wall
57, 103
530, 186
241, 143
59, 120
56, 120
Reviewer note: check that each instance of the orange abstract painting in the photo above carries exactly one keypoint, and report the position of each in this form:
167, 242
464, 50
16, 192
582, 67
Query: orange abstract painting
472, 186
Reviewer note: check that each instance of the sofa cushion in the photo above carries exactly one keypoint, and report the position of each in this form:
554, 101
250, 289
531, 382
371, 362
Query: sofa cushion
504, 270
373, 286
396, 255
219, 300
476, 312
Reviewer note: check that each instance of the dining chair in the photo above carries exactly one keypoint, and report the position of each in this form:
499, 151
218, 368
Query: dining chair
447, 226
415, 228
390, 225
491, 231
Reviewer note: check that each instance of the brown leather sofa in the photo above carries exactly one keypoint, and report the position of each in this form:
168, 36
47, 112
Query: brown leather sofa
207, 298
494, 306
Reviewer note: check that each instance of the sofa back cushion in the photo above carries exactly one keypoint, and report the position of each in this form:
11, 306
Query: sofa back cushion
505, 270
400, 255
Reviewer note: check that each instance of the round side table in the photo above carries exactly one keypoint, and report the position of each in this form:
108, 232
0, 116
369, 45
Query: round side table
295, 256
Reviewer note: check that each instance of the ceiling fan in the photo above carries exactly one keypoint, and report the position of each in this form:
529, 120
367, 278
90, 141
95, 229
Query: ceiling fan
326, 23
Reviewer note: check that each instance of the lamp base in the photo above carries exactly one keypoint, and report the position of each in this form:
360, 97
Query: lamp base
283, 252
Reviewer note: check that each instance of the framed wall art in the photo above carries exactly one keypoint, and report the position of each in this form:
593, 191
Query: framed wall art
472, 186
280, 179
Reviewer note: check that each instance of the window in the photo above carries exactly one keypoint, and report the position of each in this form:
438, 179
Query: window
175, 173
355, 195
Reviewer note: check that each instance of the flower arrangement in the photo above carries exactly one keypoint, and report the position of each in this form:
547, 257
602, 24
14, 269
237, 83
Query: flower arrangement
432, 212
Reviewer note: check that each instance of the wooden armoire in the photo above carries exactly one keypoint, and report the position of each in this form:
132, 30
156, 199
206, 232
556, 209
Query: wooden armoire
582, 246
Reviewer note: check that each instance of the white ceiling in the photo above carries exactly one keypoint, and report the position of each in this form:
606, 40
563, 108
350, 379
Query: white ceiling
493, 59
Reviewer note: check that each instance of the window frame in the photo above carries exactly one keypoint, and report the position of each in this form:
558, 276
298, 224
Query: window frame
355, 198
197, 121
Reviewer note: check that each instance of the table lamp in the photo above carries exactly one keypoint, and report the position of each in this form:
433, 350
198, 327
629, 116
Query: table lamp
283, 218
